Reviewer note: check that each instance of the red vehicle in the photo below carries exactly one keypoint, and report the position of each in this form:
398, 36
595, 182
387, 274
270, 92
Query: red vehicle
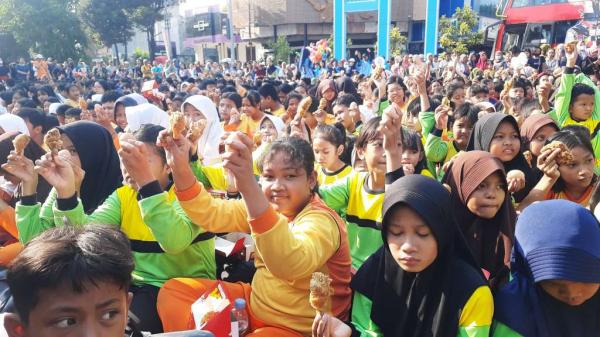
530, 23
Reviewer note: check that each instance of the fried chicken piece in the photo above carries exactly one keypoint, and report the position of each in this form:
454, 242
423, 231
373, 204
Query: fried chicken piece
446, 102
53, 141
20, 143
303, 106
178, 125
377, 73
528, 157
570, 47
564, 157
195, 130
83, 105
322, 104
320, 291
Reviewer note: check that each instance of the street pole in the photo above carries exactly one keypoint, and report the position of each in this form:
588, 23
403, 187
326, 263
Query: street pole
231, 41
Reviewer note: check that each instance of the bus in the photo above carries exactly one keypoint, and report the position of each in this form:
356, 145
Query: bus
530, 23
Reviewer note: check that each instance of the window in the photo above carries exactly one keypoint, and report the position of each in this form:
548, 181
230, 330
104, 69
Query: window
538, 34
417, 31
526, 3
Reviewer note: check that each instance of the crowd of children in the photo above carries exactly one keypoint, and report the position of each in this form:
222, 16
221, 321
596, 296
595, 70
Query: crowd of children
439, 200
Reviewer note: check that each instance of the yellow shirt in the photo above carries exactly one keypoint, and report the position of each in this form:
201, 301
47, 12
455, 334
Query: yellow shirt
248, 125
326, 178
287, 254
279, 112
589, 124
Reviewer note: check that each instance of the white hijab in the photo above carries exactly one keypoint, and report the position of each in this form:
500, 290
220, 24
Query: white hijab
145, 113
277, 122
13, 123
208, 144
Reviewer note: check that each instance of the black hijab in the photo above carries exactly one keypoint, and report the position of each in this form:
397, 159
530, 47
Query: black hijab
427, 303
99, 160
481, 139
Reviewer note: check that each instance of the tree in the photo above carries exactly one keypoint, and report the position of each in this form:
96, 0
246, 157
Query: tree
48, 27
281, 49
107, 19
459, 33
397, 42
145, 14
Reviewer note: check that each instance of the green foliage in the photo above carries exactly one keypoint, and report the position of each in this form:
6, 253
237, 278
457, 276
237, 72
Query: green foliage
49, 27
108, 19
397, 42
281, 49
459, 33
140, 54
145, 13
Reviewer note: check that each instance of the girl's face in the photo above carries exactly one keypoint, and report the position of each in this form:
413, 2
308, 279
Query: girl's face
539, 139
286, 185
249, 109
326, 154
293, 105
225, 107
373, 155
582, 107
46, 107
395, 93
461, 129
98, 88
458, 97
268, 131
570, 292
68, 145
506, 142
120, 116
42, 96
488, 197
192, 113
412, 122
411, 156
410, 240
580, 172
73, 93
329, 94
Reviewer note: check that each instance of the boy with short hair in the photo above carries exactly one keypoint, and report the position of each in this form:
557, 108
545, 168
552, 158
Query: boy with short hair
70, 281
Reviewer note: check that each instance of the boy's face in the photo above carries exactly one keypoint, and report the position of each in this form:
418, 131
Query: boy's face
582, 107
99, 311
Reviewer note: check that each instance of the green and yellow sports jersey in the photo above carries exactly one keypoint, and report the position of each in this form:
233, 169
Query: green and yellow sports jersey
328, 178
351, 198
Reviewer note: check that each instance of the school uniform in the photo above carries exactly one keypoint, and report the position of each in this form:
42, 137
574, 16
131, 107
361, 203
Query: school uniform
327, 178
360, 206
562, 116
288, 251
449, 298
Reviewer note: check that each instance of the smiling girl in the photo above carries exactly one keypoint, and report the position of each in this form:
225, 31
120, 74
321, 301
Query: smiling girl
295, 233
499, 135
